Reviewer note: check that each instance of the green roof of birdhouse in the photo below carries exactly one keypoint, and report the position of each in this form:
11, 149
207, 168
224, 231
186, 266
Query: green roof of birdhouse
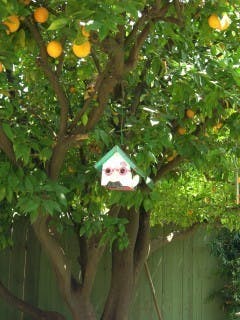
110, 153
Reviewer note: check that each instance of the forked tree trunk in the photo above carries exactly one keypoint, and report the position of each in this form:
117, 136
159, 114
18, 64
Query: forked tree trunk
125, 265
122, 281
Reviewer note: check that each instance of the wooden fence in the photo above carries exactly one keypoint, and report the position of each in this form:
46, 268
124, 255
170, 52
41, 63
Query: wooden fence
183, 273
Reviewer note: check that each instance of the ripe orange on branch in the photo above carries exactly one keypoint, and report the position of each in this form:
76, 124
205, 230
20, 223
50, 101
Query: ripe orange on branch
220, 24
13, 23
40, 15
82, 50
181, 131
54, 49
190, 114
214, 22
1, 67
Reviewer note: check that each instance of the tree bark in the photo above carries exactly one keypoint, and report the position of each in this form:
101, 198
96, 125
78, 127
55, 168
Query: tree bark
83, 309
27, 308
122, 280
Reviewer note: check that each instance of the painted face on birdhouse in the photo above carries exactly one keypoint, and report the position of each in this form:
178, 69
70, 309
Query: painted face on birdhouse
117, 175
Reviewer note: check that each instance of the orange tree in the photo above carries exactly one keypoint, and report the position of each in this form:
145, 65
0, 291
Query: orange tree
161, 78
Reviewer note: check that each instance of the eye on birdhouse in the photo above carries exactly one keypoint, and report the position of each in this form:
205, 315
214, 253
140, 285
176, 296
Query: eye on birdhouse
117, 171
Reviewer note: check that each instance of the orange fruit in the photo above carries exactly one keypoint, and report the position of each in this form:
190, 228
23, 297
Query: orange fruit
71, 169
40, 14
181, 130
1, 67
13, 23
85, 33
54, 49
72, 90
219, 125
190, 114
214, 22
82, 50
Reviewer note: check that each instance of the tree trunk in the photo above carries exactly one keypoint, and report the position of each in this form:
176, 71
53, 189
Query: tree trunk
83, 309
122, 280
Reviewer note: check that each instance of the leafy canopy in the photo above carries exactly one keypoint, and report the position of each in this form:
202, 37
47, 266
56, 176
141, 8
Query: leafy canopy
182, 65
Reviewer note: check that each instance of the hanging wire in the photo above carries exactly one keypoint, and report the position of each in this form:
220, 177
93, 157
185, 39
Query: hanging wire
121, 128
237, 186
122, 114
235, 161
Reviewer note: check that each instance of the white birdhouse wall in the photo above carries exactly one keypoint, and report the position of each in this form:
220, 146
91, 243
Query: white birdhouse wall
117, 174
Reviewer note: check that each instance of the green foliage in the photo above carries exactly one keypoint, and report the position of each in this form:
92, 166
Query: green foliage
179, 67
226, 247
191, 196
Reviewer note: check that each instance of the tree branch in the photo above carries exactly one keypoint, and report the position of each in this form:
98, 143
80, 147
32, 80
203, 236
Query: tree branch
61, 59
137, 26
167, 168
134, 52
27, 308
141, 31
52, 77
122, 279
171, 236
139, 88
141, 250
56, 255
179, 11
105, 83
93, 255
6, 146
57, 159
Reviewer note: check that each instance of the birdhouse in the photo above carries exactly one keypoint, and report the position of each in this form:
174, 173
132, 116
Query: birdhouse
118, 170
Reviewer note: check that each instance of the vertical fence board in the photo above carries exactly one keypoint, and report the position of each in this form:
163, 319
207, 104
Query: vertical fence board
168, 285
198, 261
16, 268
4, 273
156, 270
145, 307
102, 281
187, 294
177, 278
33, 253
52, 301
211, 308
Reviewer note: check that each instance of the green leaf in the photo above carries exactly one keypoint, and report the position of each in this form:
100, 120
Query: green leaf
45, 154
29, 205
148, 204
51, 206
28, 185
32, 205
22, 151
84, 119
8, 130
9, 194
2, 193
21, 39
58, 24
